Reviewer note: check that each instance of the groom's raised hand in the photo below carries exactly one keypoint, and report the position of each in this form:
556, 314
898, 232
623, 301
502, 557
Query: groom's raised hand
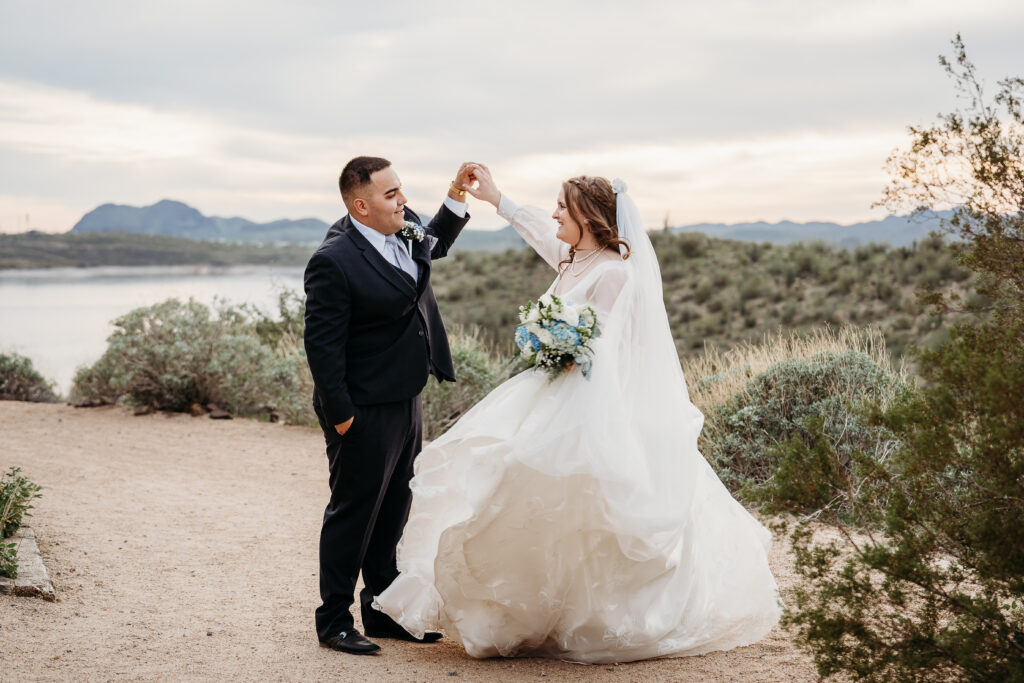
463, 182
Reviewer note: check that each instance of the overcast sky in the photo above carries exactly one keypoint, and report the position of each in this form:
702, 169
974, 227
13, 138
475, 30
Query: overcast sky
720, 111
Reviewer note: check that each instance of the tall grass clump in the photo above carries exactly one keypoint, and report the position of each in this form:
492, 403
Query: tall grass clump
760, 400
20, 381
16, 496
173, 354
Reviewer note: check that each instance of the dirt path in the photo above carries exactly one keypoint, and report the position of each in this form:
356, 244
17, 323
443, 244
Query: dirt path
185, 548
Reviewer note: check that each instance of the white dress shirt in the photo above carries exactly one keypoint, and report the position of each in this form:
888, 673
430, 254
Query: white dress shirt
379, 240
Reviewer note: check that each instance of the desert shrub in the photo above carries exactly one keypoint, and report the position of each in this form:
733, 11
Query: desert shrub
19, 381
692, 244
8, 560
788, 313
173, 354
758, 399
789, 274
778, 405
930, 586
16, 496
286, 329
751, 288
807, 262
755, 250
477, 369
704, 291
938, 592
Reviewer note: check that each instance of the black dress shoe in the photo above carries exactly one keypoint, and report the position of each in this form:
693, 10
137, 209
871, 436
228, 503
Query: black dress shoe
351, 642
399, 633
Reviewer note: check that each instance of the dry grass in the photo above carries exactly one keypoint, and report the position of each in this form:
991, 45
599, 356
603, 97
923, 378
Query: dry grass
716, 375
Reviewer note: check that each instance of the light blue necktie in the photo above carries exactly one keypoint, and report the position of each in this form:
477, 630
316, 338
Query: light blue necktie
399, 257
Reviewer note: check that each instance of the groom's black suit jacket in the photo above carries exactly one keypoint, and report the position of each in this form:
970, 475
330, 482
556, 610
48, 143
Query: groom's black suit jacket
372, 334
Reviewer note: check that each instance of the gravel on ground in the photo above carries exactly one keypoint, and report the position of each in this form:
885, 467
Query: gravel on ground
185, 548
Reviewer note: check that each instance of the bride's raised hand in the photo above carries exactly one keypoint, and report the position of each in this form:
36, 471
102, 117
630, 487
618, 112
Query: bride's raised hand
481, 184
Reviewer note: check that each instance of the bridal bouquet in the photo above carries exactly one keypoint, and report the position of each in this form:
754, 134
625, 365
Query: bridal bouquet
556, 334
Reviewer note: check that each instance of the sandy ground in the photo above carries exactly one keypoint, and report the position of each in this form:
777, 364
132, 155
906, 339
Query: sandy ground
185, 549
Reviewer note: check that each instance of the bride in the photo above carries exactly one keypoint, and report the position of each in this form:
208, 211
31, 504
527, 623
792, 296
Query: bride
575, 518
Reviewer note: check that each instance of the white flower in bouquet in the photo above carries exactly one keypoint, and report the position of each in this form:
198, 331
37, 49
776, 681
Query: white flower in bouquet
556, 334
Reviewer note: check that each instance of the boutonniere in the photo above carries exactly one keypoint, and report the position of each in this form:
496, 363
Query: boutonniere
413, 232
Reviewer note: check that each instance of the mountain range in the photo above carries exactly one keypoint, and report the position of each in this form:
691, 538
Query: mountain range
172, 218
176, 219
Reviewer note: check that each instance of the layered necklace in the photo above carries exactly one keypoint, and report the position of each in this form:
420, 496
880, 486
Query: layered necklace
584, 262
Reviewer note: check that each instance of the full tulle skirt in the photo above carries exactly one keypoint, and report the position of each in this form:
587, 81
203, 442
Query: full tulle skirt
555, 520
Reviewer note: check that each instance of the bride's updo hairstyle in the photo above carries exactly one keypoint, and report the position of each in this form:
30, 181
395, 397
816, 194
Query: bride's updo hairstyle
591, 203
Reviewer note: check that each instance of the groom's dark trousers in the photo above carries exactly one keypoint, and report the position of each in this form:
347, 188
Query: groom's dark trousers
373, 336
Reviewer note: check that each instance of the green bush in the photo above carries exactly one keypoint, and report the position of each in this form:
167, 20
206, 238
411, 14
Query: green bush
173, 354
16, 496
8, 560
927, 582
936, 592
19, 381
478, 371
744, 435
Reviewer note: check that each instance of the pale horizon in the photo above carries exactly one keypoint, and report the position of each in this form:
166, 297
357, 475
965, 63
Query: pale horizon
739, 112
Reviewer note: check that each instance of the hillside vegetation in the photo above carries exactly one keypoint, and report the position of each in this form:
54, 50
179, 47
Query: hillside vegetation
723, 292
73, 250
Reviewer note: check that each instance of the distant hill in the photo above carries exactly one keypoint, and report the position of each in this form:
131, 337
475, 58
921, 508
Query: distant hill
898, 231
175, 219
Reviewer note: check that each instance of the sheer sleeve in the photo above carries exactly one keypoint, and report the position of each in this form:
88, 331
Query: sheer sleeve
534, 226
606, 289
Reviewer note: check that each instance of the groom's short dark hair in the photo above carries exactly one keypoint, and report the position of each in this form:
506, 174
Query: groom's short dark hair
357, 173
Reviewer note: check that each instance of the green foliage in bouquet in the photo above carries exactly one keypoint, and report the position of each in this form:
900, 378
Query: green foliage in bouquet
555, 335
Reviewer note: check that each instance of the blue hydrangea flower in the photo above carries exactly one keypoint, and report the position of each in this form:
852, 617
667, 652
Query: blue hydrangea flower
525, 338
565, 336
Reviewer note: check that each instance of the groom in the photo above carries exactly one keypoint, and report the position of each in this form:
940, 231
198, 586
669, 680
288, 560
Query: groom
373, 336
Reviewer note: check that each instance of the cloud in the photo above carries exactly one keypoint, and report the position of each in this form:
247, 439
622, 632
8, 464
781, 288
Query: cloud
785, 108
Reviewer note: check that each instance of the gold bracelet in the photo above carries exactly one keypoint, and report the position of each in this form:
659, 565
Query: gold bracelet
461, 193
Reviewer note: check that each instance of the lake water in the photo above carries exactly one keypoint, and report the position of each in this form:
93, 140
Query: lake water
60, 318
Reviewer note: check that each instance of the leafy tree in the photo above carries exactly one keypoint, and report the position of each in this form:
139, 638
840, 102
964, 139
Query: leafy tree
973, 161
925, 579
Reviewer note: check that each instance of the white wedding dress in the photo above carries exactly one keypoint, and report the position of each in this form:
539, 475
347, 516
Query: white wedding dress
575, 518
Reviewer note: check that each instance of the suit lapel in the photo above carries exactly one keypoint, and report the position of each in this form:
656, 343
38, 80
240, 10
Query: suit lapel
420, 252
421, 255
379, 263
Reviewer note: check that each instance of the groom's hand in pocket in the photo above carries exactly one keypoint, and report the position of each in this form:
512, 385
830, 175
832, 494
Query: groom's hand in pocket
344, 426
